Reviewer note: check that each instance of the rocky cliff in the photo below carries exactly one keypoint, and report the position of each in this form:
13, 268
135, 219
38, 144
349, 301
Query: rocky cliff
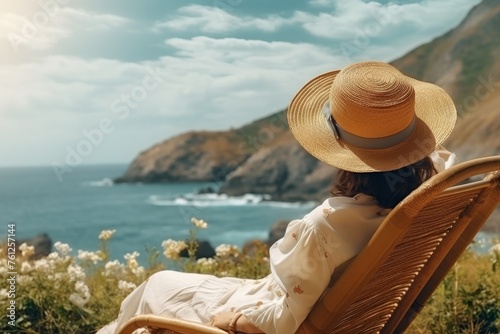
192, 156
205, 155
262, 157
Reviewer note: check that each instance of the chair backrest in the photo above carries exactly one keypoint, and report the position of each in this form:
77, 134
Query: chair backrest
388, 282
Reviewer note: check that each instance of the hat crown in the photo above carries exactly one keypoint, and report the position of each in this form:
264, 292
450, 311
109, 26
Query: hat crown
372, 100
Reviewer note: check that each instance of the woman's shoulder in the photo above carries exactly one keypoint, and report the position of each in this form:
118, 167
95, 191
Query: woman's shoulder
338, 206
443, 159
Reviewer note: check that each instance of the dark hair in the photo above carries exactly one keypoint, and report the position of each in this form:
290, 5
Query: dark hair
389, 188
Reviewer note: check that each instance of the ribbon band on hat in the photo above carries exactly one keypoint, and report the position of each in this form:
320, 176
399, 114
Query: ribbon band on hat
363, 142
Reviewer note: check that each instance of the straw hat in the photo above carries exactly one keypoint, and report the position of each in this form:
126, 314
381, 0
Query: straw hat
370, 117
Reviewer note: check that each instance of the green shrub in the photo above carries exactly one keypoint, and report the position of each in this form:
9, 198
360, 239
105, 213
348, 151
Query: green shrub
79, 294
67, 294
467, 301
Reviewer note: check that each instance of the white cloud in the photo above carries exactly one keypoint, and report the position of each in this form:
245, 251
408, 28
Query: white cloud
202, 83
320, 3
358, 29
371, 30
93, 20
42, 28
350, 18
244, 78
347, 17
207, 84
21, 32
211, 19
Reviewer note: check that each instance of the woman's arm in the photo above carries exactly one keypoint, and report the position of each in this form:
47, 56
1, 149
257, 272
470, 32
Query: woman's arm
234, 323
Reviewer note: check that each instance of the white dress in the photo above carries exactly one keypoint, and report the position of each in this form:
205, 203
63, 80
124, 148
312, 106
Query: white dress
302, 263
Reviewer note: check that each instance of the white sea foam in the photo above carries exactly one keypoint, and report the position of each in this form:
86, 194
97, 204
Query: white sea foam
291, 204
105, 182
202, 200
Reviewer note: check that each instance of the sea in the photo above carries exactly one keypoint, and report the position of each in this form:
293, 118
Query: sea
77, 208
85, 202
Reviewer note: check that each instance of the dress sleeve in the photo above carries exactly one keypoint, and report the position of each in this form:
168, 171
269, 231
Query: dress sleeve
301, 264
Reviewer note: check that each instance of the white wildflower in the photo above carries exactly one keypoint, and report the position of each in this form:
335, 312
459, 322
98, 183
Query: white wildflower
78, 300
75, 272
26, 251
126, 286
199, 223
42, 265
113, 268
26, 268
139, 271
132, 263
106, 234
131, 256
172, 248
81, 295
82, 289
52, 257
204, 262
3, 294
495, 249
24, 280
3, 270
57, 277
89, 256
62, 248
226, 250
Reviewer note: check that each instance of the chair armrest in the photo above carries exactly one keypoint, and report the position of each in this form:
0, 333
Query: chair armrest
172, 324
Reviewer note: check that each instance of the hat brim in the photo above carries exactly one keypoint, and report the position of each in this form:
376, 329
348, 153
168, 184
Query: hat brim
435, 119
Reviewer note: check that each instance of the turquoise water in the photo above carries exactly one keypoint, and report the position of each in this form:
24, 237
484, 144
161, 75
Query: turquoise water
75, 210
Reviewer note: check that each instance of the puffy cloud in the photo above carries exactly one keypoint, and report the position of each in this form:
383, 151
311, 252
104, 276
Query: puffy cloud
207, 83
348, 17
371, 30
200, 82
358, 29
42, 27
212, 19
240, 79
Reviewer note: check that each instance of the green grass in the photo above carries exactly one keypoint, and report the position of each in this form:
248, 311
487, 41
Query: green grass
79, 294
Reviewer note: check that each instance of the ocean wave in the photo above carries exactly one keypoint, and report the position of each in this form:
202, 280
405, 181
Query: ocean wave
203, 200
105, 182
291, 204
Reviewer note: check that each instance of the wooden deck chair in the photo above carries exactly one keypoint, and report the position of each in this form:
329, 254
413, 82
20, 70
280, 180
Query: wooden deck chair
388, 282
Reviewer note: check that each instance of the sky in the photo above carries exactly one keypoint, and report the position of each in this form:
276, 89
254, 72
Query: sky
94, 82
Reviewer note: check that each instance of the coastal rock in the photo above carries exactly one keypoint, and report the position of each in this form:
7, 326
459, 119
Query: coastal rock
192, 156
285, 171
277, 231
255, 248
204, 249
42, 244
